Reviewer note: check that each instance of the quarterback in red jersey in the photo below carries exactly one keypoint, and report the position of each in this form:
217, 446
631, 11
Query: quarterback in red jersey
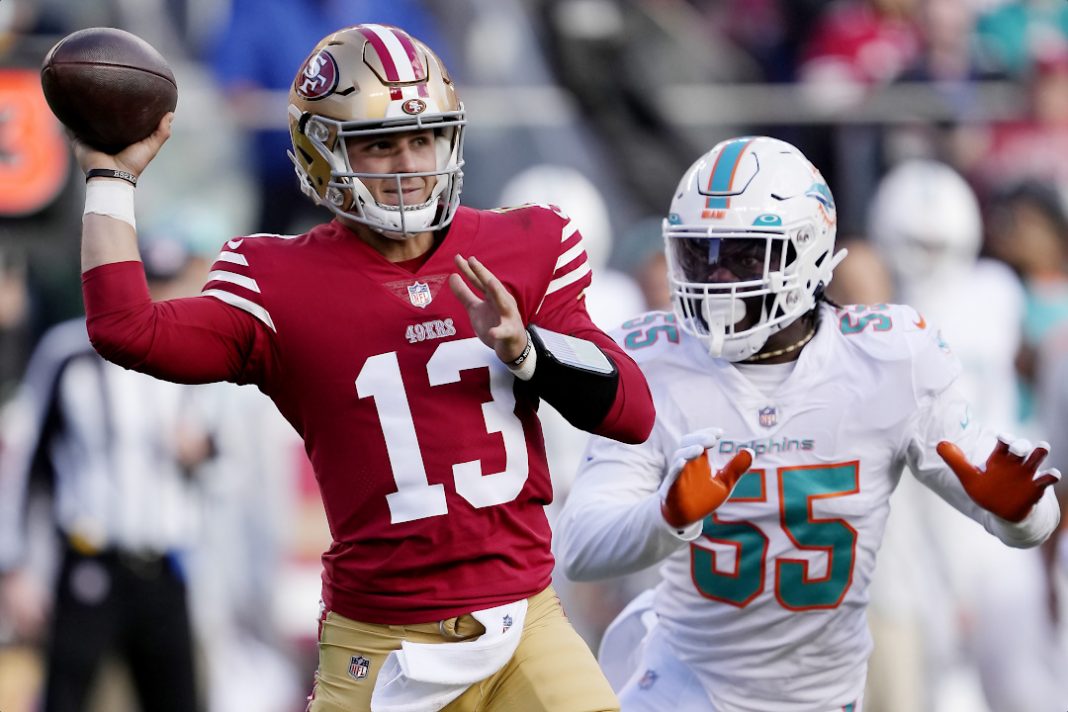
409, 342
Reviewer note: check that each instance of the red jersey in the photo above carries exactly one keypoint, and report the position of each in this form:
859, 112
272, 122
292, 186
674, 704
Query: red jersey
430, 461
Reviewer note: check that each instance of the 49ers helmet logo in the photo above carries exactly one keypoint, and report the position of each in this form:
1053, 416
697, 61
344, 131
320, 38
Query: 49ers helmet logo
319, 77
413, 106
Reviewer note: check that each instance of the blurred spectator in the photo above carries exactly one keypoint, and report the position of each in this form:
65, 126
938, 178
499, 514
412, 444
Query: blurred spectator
616, 58
949, 57
855, 47
261, 43
948, 43
1005, 153
14, 321
863, 42
771, 31
1052, 403
1013, 34
1028, 230
119, 449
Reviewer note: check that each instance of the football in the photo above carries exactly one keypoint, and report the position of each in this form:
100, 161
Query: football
109, 87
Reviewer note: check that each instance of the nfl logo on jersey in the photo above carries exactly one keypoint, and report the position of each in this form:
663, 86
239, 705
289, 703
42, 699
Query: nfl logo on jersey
419, 294
358, 667
767, 417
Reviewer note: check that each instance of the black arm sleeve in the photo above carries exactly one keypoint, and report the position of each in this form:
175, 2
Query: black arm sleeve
579, 385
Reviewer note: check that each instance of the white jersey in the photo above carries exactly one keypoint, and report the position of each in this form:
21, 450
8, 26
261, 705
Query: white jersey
766, 600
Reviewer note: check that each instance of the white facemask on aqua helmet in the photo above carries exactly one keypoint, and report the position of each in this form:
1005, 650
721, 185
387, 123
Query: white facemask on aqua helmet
757, 199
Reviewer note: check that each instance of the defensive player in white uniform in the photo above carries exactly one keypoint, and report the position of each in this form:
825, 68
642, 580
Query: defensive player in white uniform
783, 425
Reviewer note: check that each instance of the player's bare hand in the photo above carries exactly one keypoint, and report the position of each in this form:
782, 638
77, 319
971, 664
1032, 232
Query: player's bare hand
1010, 484
492, 309
133, 159
691, 491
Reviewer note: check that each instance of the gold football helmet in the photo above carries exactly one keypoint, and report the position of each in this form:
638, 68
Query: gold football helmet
369, 80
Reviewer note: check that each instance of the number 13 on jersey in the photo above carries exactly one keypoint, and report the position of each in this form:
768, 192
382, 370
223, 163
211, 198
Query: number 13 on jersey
415, 498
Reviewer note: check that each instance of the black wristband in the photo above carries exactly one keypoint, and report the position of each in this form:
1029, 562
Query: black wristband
111, 173
523, 356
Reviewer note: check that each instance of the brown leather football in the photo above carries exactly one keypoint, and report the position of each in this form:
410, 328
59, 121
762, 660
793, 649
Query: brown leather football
109, 87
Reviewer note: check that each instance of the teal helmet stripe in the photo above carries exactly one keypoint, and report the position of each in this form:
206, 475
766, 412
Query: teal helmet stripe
723, 172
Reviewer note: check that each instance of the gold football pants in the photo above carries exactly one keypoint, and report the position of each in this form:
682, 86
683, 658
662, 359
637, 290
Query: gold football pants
552, 670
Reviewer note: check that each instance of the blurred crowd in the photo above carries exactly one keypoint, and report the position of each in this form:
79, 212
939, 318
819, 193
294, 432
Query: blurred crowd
941, 126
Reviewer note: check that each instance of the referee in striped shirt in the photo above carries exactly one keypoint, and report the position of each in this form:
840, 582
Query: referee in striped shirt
118, 449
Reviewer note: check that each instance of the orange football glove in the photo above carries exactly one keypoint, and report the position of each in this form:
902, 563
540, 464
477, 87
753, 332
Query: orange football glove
1009, 486
691, 491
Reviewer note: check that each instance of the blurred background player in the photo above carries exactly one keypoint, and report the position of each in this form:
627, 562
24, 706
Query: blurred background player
934, 257
767, 561
120, 451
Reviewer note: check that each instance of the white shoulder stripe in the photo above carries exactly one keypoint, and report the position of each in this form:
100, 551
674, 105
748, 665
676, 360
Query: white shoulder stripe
576, 250
273, 234
243, 304
236, 242
233, 257
569, 229
238, 279
569, 278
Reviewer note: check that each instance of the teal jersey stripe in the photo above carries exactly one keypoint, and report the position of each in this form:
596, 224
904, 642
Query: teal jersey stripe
720, 180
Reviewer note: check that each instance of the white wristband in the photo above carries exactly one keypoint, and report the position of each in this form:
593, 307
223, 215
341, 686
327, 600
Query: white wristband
525, 371
113, 198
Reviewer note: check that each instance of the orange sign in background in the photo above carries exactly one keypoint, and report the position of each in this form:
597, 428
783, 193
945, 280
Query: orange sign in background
34, 159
